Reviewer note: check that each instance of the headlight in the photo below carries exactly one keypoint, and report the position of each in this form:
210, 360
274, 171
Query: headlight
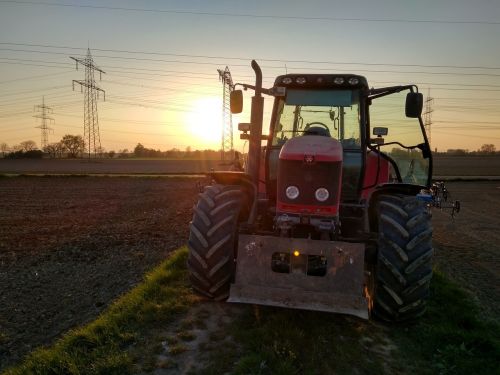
292, 192
338, 80
322, 194
353, 81
286, 80
301, 80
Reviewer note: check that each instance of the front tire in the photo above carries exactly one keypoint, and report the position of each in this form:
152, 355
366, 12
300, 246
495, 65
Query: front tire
404, 270
213, 239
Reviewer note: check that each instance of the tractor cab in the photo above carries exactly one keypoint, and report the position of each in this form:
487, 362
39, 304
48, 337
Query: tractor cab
311, 111
343, 107
319, 107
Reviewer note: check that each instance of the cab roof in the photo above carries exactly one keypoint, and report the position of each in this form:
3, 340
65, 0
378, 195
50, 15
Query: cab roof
331, 81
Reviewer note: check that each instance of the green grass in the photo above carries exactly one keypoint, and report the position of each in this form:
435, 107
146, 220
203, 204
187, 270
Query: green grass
282, 341
450, 338
104, 346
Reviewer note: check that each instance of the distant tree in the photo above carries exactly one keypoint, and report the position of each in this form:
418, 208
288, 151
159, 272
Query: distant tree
16, 148
139, 150
73, 145
28, 145
488, 149
33, 154
111, 154
20, 154
50, 150
4, 147
174, 153
123, 153
55, 150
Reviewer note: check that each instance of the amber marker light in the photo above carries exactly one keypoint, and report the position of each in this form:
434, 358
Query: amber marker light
296, 253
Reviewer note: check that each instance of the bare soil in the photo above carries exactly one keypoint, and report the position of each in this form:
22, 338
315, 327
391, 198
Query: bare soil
69, 246
480, 165
467, 248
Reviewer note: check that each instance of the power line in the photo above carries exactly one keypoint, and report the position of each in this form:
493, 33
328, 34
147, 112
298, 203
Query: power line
237, 58
251, 15
469, 122
33, 77
466, 135
20, 101
31, 91
298, 69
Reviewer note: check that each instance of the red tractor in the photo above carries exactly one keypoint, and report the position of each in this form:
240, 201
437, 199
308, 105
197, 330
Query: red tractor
328, 215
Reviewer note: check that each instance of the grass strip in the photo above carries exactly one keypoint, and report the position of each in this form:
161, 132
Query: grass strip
450, 338
280, 341
104, 346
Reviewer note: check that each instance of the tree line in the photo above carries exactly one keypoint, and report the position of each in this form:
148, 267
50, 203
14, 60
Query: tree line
70, 146
73, 146
485, 149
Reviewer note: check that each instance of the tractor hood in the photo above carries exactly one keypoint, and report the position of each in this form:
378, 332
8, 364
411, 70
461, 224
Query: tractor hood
319, 148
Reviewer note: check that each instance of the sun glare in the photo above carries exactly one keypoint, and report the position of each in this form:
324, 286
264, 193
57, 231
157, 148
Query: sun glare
204, 122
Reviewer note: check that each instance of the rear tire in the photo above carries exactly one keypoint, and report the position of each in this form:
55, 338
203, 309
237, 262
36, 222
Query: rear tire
404, 270
213, 239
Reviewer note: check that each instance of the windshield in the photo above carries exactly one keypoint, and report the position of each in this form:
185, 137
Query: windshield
333, 113
389, 112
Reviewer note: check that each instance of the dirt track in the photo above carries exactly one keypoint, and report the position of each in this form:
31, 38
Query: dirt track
69, 246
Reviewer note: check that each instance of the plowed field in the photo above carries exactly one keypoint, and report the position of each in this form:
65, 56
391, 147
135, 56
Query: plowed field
467, 248
69, 246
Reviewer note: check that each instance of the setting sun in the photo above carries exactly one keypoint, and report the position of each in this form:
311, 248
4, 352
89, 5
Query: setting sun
204, 122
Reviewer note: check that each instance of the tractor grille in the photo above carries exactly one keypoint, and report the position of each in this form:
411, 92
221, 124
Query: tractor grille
308, 178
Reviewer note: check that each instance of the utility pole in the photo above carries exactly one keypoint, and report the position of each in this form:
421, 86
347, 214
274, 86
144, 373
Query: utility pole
44, 117
428, 114
91, 136
227, 118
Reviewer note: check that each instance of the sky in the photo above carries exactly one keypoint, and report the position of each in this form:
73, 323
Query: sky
160, 60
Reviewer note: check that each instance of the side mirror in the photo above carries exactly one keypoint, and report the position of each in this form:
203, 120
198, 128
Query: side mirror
380, 131
236, 101
414, 104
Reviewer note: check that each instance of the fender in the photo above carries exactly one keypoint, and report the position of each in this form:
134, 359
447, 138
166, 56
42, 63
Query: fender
245, 181
405, 189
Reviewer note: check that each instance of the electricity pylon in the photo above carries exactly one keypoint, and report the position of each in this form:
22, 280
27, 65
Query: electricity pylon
428, 114
91, 136
44, 117
227, 118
